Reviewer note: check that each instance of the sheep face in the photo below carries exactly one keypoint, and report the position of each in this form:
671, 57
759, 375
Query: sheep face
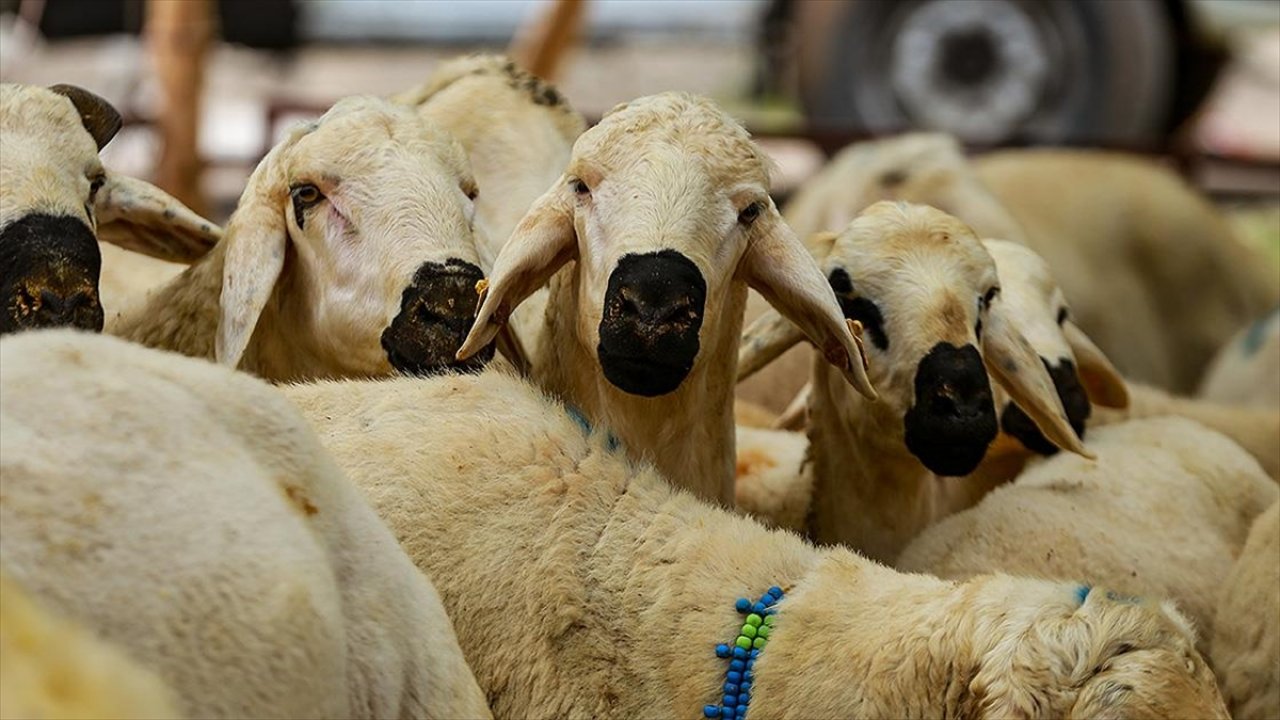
1112, 656
49, 259
665, 209
57, 201
1080, 372
360, 226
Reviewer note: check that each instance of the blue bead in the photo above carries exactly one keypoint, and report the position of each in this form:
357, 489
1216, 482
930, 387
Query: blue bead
726, 712
768, 601
722, 650
744, 699
731, 688
744, 688
758, 608
733, 676
750, 664
739, 653
748, 676
742, 605
737, 665
775, 591
730, 701
710, 711
755, 653
740, 711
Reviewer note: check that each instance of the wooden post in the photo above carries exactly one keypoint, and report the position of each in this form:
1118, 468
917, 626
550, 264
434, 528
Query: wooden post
540, 46
178, 35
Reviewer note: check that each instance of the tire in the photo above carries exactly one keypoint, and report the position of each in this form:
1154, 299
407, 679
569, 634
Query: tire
991, 71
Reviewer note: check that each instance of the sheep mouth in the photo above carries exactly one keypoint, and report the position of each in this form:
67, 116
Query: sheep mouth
434, 319
643, 375
49, 266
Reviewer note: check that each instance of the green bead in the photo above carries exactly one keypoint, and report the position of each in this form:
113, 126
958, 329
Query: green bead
764, 632
760, 643
769, 620
754, 619
743, 642
749, 631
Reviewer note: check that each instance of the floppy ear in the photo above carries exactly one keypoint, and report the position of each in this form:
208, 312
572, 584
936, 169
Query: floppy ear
1102, 382
541, 244
99, 117
1015, 365
255, 245
778, 267
141, 217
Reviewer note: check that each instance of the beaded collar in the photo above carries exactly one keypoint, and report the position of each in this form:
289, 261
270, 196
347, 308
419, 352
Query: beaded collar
742, 654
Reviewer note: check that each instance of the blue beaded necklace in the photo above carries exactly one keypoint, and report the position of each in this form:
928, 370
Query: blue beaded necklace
742, 654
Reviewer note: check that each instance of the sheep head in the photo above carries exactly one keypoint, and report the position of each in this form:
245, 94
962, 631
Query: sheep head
356, 236
665, 209
936, 330
1081, 373
57, 200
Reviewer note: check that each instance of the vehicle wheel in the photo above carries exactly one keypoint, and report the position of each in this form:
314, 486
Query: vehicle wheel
990, 70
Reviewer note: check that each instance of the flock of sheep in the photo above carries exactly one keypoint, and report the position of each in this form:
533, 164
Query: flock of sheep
447, 423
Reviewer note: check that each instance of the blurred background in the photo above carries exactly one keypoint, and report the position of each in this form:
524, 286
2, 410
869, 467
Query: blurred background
207, 86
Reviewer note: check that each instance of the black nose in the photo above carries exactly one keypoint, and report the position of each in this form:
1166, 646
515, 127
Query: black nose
1074, 400
953, 420
435, 315
653, 310
49, 267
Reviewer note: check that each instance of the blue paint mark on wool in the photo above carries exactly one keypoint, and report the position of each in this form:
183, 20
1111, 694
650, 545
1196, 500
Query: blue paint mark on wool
1082, 592
1256, 333
611, 441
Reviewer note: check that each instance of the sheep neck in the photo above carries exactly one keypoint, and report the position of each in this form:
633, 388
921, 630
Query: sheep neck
181, 315
869, 492
688, 434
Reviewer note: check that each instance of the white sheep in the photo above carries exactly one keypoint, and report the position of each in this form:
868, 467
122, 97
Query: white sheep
57, 200
1246, 371
187, 514
352, 253
1119, 232
51, 667
1163, 510
650, 239
517, 151
582, 584
1246, 630
927, 293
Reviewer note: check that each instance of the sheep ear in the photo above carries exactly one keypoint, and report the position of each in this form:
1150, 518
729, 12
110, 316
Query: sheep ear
141, 217
1101, 380
1015, 365
779, 267
256, 241
541, 244
98, 116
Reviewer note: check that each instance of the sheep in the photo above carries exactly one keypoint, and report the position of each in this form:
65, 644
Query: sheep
569, 569
185, 513
770, 481
128, 276
1245, 649
518, 150
1108, 521
927, 293
1127, 234
57, 201
51, 667
1119, 229
1246, 371
665, 215
352, 253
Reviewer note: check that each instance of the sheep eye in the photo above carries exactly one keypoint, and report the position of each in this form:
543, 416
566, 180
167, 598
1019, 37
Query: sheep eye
581, 188
1062, 315
306, 194
988, 296
749, 214
95, 184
